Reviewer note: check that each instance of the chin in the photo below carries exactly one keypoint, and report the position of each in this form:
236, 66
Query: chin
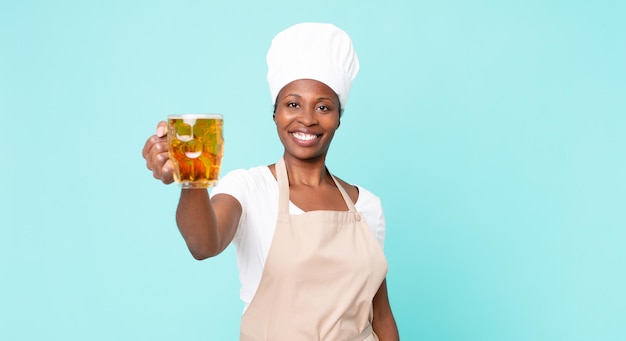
306, 156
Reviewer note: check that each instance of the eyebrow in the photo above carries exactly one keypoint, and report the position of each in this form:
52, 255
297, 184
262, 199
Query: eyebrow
318, 99
325, 98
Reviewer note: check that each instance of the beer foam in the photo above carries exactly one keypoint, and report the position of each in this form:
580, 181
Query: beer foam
191, 119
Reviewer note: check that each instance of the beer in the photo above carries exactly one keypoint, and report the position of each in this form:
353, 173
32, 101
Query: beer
196, 146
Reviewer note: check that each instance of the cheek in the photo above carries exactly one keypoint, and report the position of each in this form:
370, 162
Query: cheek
279, 121
280, 116
281, 128
333, 122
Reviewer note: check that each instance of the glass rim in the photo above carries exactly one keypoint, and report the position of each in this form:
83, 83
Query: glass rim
196, 116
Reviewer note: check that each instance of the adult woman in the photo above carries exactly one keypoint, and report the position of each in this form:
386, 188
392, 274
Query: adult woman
310, 264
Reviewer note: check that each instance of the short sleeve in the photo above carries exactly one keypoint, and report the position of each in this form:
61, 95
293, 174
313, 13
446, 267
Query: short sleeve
236, 183
371, 208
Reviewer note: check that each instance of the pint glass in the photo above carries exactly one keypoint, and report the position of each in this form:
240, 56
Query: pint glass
196, 146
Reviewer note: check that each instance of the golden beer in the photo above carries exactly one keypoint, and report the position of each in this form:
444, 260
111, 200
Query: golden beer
196, 147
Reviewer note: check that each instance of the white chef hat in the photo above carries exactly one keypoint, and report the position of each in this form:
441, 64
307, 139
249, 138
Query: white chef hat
318, 51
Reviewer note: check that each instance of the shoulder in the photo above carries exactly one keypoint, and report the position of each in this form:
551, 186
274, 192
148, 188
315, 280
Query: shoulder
370, 205
258, 174
360, 195
368, 200
352, 190
241, 182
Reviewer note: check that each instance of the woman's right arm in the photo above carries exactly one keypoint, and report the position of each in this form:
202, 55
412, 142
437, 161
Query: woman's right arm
208, 225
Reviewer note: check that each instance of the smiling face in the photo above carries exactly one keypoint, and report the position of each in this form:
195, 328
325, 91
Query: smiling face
306, 117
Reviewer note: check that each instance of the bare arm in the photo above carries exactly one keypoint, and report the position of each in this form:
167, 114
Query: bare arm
207, 225
383, 322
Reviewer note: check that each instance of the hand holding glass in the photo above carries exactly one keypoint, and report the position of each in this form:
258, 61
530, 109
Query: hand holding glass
196, 147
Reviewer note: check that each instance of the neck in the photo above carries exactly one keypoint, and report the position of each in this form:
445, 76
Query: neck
306, 172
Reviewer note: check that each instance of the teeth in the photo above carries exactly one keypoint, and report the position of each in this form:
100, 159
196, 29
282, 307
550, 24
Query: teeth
303, 136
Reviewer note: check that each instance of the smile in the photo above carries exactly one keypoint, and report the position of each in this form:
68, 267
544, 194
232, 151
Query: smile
303, 136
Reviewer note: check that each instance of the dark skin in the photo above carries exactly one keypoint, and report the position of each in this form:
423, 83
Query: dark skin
307, 115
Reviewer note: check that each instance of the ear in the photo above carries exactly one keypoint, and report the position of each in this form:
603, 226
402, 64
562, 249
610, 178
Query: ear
340, 114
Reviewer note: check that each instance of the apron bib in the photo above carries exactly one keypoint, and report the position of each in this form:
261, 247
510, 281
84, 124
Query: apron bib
320, 276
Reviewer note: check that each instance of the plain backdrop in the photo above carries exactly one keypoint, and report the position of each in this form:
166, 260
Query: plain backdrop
493, 131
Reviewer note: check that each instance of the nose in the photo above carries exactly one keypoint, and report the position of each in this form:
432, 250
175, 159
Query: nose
308, 117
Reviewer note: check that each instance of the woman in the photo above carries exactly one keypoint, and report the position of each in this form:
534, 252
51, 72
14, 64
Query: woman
308, 244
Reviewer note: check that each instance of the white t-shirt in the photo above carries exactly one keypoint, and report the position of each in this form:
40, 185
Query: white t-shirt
256, 190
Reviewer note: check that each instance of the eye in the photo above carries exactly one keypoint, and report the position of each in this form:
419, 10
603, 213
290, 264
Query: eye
323, 108
292, 105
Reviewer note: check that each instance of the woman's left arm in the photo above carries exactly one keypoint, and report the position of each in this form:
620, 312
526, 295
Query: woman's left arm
383, 322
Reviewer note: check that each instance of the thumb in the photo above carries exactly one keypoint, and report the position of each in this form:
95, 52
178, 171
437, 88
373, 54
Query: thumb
161, 129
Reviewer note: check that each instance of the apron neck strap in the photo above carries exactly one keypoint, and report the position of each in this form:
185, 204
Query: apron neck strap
283, 189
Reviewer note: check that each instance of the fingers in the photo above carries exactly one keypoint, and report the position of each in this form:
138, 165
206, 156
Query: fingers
161, 167
149, 146
155, 152
167, 172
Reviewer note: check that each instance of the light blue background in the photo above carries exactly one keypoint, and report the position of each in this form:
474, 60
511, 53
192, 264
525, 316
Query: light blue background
493, 131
